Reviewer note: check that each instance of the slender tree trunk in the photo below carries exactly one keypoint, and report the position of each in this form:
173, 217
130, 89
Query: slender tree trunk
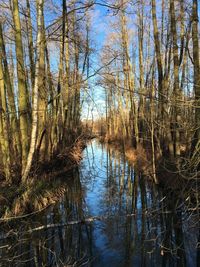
40, 4
30, 45
4, 135
164, 131
141, 67
23, 98
62, 100
195, 40
67, 79
158, 58
76, 100
129, 75
176, 113
65, 89
11, 100
52, 110
152, 117
42, 143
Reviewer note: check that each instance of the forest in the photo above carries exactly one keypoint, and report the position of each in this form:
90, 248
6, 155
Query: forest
123, 72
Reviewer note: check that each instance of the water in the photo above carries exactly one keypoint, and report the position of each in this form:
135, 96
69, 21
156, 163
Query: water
132, 223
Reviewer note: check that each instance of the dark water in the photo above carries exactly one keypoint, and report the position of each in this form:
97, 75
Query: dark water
137, 224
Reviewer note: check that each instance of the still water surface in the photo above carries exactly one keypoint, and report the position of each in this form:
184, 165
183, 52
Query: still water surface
129, 221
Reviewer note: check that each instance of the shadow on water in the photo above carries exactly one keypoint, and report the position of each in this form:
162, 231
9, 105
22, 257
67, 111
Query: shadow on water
138, 224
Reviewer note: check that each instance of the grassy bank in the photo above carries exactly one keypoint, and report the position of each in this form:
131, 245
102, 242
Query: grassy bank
169, 174
46, 184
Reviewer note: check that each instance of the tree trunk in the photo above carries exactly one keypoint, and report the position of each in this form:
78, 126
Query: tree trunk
23, 98
40, 4
11, 100
42, 142
30, 45
196, 55
4, 136
158, 58
176, 91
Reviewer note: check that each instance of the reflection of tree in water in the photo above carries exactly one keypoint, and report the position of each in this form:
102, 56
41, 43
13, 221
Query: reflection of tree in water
139, 224
145, 224
55, 246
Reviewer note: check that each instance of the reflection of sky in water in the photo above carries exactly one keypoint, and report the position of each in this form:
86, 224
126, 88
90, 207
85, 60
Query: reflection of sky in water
95, 174
110, 188
120, 240
98, 201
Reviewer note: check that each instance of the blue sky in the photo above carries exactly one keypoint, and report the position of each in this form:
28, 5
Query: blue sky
100, 26
95, 94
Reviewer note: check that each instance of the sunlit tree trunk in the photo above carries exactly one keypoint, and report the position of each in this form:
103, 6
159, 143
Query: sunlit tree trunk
65, 50
129, 75
42, 94
4, 136
40, 4
141, 67
23, 98
11, 100
63, 79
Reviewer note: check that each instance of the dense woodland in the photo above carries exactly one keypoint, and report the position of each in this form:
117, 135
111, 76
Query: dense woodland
150, 75
40, 107
152, 90
128, 73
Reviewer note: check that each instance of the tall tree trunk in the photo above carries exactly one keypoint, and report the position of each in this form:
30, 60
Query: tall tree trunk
61, 88
30, 45
65, 90
129, 76
4, 136
164, 137
195, 40
40, 18
52, 110
158, 58
42, 94
23, 98
141, 67
176, 91
76, 82
67, 77
11, 99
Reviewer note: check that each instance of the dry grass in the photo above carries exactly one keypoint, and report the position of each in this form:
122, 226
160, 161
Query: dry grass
140, 158
131, 155
46, 187
75, 154
36, 198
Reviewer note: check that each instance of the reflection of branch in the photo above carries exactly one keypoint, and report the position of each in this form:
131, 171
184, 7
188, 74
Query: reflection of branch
54, 225
82, 221
22, 216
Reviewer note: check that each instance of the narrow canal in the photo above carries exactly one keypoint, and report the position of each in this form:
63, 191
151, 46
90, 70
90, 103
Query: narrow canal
108, 215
